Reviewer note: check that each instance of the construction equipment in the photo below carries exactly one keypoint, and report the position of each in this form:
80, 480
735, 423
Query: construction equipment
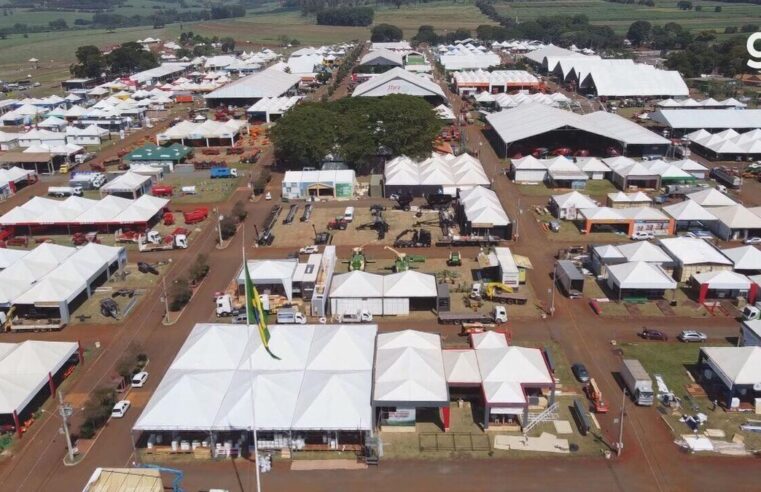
307, 213
291, 214
6, 319
358, 260
403, 200
378, 223
403, 260
143, 267
178, 475
455, 259
438, 200
162, 190
421, 238
109, 308
121, 236
595, 396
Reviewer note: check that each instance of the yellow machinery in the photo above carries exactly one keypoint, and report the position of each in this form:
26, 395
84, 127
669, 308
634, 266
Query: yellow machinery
493, 287
8, 320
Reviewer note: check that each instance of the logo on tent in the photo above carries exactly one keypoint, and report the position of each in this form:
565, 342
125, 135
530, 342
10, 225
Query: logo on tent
753, 52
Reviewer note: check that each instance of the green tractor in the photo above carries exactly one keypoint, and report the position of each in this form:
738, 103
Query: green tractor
455, 259
403, 261
358, 260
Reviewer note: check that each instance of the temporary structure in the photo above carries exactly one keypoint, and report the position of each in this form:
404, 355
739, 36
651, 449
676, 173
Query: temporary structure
265, 273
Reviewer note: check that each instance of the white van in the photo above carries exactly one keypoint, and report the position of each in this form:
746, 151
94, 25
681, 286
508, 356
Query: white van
349, 214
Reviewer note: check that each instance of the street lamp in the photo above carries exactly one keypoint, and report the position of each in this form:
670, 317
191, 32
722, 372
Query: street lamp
219, 228
65, 410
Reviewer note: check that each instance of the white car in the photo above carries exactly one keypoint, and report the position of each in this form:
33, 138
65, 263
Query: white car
753, 240
692, 336
139, 379
268, 196
120, 409
308, 250
642, 236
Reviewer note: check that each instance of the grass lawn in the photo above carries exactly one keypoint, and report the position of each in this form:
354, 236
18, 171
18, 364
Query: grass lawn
672, 361
619, 16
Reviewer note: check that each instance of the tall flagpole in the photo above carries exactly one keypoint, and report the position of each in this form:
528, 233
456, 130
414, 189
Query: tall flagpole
251, 372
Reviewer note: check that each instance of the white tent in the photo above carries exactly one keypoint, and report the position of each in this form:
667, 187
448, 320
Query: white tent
127, 183
566, 206
399, 81
409, 370
723, 280
223, 379
688, 211
483, 209
735, 365
461, 367
24, 370
711, 197
356, 291
271, 272
744, 257
409, 284
505, 370
488, 340
639, 275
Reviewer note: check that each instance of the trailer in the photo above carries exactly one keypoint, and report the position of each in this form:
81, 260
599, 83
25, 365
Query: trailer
153, 242
63, 191
499, 315
569, 278
472, 240
727, 176
223, 172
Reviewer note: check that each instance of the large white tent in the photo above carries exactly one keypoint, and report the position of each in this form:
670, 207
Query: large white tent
399, 81
439, 173
745, 258
637, 278
271, 273
380, 294
224, 379
26, 367
409, 370
207, 131
483, 210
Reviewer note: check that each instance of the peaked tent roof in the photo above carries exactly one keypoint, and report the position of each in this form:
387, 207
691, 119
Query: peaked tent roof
723, 279
737, 217
267, 83
688, 210
461, 367
640, 275
398, 81
711, 197
744, 257
736, 365
409, 284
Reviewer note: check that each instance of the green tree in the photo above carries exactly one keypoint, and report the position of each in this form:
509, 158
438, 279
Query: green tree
384, 33
639, 32
130, 57
717, 8
228, 45
305, 135
91, 62
58, 25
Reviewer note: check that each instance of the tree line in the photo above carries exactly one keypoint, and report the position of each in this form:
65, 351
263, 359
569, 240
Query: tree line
346, 16
124, 60
356, 128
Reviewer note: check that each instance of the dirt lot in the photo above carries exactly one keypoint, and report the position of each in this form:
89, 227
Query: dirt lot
299, 234
89, 311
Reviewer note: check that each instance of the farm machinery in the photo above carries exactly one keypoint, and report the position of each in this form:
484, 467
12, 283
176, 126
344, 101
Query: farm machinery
403, 261
358, 260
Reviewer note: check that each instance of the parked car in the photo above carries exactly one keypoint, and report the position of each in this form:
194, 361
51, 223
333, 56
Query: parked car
650, 334
240, 319
268, 196
554, 225
692, 336
308, 250
580, 371
120, 409
139, 379
643, 236
753, 240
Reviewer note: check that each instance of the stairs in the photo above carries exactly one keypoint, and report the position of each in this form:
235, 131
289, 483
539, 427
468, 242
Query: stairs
534, 419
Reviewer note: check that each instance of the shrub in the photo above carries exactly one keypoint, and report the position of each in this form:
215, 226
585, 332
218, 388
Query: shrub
227, 226
199, 268
179, 294
239, 210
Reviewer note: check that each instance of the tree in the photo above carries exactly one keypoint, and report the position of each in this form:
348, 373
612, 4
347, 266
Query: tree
202, 50
179, 294
639, 32
385, 33
305, 135
427, 35
199, 268
684, 5
91, 62
129, 58
239, 211
228, 45
58, 25
717, 8
228, 226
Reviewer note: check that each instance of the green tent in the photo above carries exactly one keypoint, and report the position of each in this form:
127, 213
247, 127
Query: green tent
153, 153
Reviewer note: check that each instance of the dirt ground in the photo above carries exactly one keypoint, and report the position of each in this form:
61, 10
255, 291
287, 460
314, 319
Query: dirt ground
298, 234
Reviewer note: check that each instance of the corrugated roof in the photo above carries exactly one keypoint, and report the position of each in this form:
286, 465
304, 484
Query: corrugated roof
267, 83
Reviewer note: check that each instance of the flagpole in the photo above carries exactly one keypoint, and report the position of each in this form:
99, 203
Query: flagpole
251, 373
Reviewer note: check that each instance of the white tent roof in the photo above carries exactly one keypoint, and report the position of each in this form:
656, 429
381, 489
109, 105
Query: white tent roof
274, 105
10, 256
409, 369
357, 284
409, 284
744, 257
504, 370
711, 197
463, 171
483, 208
127, 182
737, 217
688, 210
488, 340
398, 81
723, 279
461, 367
644, 251
573, 199
708, 118
267, 83
693, 251
736, 365
444, 112
271, 272
640, 275
612, 79
24, 369
222, 378
528, 120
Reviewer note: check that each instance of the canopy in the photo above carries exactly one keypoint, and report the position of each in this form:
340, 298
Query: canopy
504, 371
398, 81
223, 379
24, 369
744, 257
409, 370
150, 152
711, 197
735, 365
640, 275
461, 367
268, 272
482, 208
689, 211
126, 183
723, 280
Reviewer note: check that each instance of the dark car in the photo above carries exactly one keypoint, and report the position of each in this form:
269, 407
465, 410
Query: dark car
649, 334
580, 372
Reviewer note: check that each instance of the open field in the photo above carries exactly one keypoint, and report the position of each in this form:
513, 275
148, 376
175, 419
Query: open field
620, 16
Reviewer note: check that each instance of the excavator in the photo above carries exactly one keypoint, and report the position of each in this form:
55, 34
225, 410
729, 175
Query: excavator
499, 292
403, 260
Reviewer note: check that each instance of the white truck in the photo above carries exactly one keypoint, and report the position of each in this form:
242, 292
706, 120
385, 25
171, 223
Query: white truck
152, 241
290, 316
638, 382
752, 312
363, 316
224, 306
62, 191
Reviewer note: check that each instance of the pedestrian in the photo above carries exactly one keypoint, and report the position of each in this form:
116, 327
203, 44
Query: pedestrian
715, 405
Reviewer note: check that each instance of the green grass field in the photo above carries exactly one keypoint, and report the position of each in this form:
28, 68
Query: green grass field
620, 16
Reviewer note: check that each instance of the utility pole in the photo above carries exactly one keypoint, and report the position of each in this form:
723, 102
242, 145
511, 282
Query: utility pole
65, 411
166, 300
554, 284
620, 443
219, 228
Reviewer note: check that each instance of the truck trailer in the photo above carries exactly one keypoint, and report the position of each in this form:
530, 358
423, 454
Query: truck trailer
638, 382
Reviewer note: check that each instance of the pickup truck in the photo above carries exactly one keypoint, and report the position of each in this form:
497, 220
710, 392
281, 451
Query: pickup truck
363, 316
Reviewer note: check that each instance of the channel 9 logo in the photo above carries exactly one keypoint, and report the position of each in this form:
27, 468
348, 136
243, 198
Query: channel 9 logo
753, 52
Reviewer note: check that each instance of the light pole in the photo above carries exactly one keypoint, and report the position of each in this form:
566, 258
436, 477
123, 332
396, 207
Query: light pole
166, 299
620, 443
552, 290
65, 411
219, 228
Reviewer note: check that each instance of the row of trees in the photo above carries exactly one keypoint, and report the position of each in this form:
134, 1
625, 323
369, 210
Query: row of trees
356, 128
346, 16
385, 33
557, 29
727, 58
427, 35
128, 58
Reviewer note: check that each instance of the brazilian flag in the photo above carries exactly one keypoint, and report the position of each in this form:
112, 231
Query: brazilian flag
255, 313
